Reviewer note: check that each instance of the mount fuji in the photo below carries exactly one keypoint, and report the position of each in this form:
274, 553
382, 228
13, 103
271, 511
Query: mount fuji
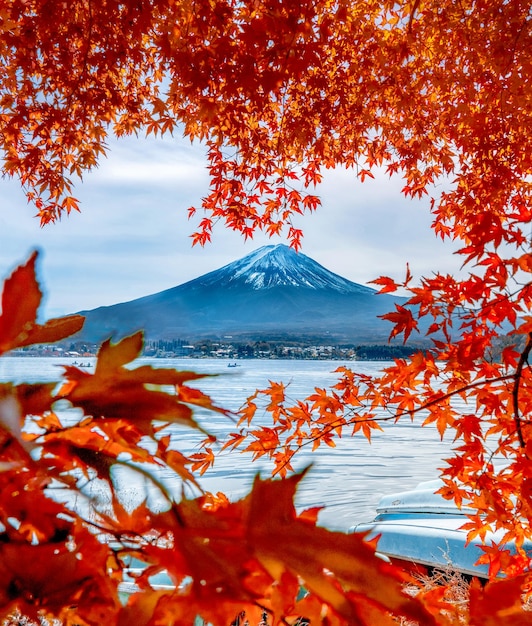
273, 292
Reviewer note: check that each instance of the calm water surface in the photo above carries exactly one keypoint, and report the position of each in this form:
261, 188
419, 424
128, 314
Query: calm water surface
347, 480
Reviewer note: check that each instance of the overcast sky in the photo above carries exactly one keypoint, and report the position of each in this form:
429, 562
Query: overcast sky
132, 237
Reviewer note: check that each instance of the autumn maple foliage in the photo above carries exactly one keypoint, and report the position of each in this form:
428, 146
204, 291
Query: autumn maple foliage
65, 547
437, 93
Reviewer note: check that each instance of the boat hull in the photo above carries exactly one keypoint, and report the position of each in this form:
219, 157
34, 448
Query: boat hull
419, 527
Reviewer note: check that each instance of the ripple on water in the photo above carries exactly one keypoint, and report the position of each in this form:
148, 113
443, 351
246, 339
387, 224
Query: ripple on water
348, 480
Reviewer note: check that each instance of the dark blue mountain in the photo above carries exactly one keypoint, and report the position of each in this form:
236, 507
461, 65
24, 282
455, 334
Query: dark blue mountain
273, 292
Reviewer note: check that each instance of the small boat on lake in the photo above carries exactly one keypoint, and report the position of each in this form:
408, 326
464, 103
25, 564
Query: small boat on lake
420, 527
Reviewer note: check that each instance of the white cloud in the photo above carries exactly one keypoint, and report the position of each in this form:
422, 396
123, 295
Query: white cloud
133, 238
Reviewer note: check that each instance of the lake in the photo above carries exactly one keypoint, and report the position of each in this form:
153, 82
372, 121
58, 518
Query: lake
347, 480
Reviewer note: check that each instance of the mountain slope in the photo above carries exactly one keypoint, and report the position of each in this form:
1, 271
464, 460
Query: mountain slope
272, 291
278, 266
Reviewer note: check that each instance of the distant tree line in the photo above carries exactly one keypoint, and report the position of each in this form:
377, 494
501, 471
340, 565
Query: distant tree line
276, 348
385, 352
265, 348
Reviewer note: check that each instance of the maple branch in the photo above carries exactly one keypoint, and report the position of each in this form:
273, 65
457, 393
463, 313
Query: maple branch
515, 392
426, 405
341, 422
450, 394
502, 298
119, 535
513, 50
85, 63
412, 15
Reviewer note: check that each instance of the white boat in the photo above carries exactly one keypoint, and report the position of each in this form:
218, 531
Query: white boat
420, 527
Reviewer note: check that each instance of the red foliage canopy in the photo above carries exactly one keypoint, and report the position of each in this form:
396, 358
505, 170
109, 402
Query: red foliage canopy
438, 93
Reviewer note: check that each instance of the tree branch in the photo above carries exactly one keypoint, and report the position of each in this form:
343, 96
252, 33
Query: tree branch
515, 392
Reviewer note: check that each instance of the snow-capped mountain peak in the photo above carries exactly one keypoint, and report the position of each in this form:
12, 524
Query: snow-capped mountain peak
273, 292
280, 266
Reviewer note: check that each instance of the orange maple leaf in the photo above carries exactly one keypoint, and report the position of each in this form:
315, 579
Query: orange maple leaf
21, 298
387, 284
403, 320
